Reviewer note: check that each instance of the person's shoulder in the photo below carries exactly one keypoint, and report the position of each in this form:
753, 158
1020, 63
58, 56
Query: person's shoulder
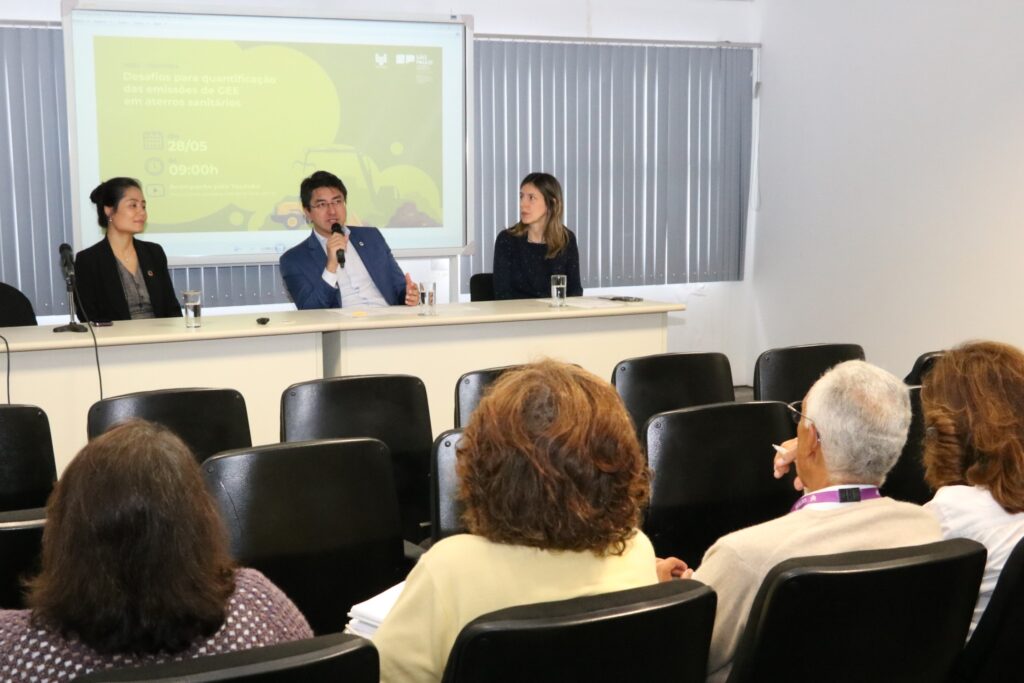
152, 248
93, 252
297, 249
365, 231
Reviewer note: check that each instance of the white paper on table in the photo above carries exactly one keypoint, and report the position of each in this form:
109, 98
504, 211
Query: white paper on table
367, 615
582, 302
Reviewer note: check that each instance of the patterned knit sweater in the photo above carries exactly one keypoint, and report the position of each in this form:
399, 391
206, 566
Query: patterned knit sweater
258, 614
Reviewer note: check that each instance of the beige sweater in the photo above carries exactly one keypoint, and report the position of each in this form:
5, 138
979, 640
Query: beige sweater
465, 576
736, 565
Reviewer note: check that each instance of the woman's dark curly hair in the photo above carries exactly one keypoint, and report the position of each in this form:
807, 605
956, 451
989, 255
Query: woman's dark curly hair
135, 556
972, 401
550, 460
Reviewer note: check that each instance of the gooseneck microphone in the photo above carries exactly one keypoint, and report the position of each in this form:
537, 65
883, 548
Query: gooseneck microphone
67, 259
336, 228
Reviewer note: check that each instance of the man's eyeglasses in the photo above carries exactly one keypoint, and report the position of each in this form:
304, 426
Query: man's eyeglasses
797, 416
323, 204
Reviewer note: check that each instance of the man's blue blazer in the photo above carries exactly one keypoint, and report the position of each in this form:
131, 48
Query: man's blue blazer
303, 265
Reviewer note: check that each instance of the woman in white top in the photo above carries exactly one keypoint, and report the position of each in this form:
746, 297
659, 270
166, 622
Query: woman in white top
974, 451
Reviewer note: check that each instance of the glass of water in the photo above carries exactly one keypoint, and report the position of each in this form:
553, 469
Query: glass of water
558, 287
193, 299
428, 298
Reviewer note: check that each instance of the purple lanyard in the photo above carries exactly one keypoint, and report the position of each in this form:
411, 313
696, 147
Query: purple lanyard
852, 494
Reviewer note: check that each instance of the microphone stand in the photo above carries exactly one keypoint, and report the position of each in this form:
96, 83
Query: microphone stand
72, 326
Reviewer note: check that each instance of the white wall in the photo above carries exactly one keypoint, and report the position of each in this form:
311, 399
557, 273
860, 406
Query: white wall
718, 318
892, 155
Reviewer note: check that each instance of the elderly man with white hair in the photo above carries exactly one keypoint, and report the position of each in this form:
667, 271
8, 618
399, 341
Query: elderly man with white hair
851, 429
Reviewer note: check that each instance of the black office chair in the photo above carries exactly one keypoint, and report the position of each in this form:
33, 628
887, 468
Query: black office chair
877, 615
15, 308
655, 633
481, 287
208, 420
992, 655
392, 408
711, 474
27, 468
471, 387
319, 518
785, 374
445, 510
333, 658
922, 366
668, 381
905, 480
21, 539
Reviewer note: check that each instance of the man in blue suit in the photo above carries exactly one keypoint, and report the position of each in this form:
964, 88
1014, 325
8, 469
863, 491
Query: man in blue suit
368, 275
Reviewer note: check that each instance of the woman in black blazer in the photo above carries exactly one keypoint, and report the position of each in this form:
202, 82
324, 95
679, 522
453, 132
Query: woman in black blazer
120, 277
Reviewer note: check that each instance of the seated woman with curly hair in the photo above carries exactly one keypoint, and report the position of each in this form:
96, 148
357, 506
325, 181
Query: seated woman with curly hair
974, 451
135, 569
552, 480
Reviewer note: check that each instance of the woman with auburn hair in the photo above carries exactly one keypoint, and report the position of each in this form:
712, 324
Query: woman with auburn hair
136, 570
552, 480
538, 246
974, 451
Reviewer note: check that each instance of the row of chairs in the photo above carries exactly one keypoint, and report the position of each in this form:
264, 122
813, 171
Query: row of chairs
663, 632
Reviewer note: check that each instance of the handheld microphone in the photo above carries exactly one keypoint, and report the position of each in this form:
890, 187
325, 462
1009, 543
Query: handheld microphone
336, 228
67, 259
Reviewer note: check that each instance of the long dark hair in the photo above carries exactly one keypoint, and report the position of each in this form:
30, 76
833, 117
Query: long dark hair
555, 234
135, 556
110, 193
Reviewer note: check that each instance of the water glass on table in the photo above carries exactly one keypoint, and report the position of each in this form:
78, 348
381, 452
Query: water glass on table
558, 287
193, 300
428, 298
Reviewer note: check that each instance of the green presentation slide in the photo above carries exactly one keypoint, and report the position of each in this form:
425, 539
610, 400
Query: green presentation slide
220, 133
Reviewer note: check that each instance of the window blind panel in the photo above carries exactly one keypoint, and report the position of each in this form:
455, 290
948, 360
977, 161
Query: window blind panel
651, 144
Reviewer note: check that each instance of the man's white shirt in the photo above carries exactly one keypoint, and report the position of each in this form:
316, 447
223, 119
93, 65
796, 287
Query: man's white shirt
353, 281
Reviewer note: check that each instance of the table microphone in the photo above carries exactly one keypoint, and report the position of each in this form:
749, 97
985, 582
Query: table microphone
341, 252
67, 259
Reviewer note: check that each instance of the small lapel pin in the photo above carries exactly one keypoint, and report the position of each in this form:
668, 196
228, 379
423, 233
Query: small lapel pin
360, 244
149, 273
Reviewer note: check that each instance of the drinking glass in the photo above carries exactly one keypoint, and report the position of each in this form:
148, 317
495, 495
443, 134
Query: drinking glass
193, 299
558, 287
428, 298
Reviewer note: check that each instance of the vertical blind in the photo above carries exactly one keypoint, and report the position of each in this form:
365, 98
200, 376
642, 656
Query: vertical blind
651, 144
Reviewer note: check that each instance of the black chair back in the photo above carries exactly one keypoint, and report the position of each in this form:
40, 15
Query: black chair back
785, 374
992, 655
669, 381
481, 287
208, 420
445, 510
333, 658
711, 474
27, 468
655, 633
471, 387
899, 614
21, 540
392, 408
922, 366
15, 308
905, 480
318, 518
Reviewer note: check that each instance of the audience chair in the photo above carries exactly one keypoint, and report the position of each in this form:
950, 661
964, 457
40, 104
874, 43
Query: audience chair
318, 518
21, 538
785, 374
668, 381
15, 308
481, 287
921, 367
445, 510
877, 615
711, 473
208, 420
471, 387
27, 468
655, 633
992, 655
333, 658
392, 408
905, 480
